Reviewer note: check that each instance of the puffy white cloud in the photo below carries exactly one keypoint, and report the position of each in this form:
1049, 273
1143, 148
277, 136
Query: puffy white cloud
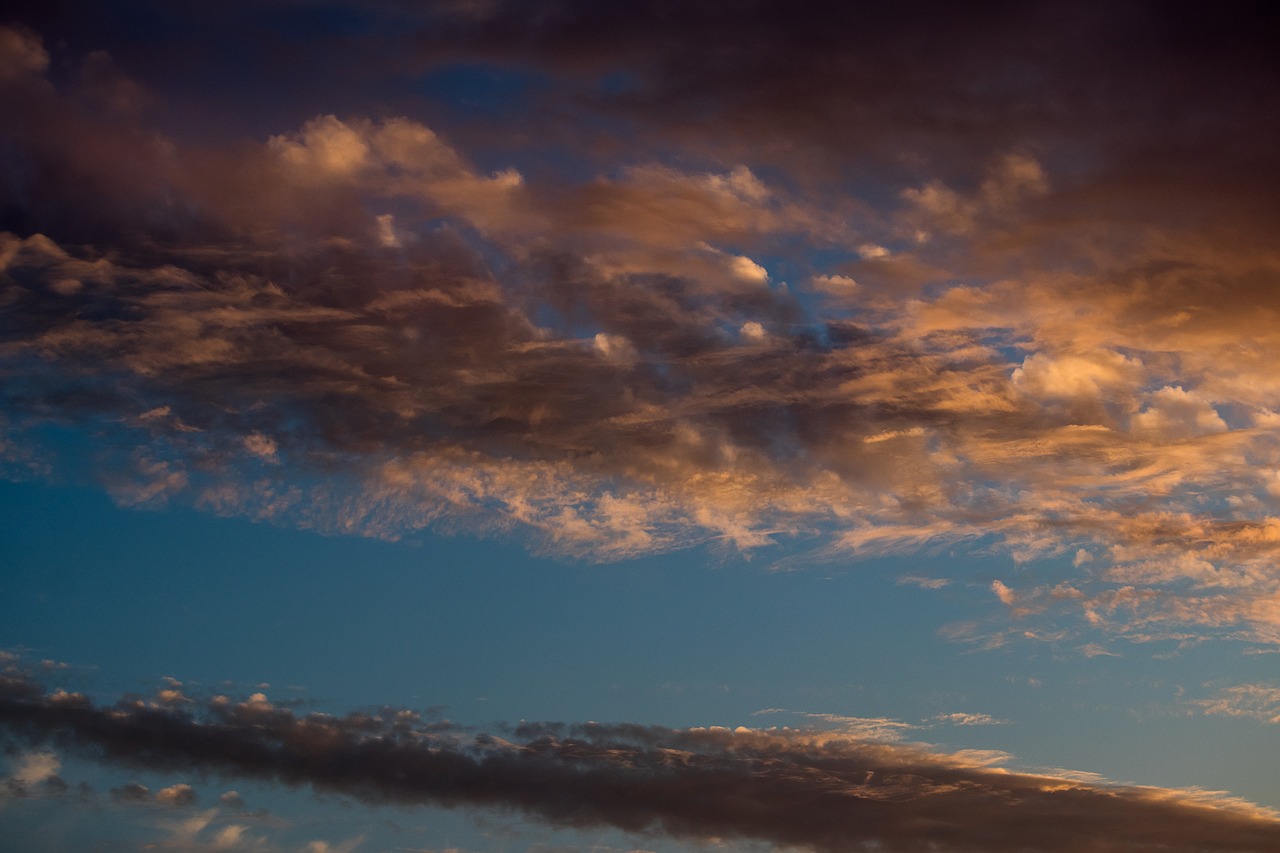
1175, 413
748, 270
1094, 375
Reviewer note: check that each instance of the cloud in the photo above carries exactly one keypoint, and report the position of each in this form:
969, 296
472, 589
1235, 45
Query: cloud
36, 767
835, 285
176, 795
1176, 413
231, 800
964, 719
827, 791
1003, 593
1253, 701
340, 847
261, 446
32, 774
882, 729
923, 583
131, 792
1042, 323
21, 53
1087, 375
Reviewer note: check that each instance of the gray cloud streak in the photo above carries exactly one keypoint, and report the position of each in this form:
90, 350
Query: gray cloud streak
826, 792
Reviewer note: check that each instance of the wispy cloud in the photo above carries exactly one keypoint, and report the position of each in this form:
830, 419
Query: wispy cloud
884, 729
1254, 701
960, 718
924, 583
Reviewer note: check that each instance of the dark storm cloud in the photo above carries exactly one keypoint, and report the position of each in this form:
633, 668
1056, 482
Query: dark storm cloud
826, 792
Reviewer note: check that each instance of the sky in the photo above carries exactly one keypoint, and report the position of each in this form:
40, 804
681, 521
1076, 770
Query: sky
481, 426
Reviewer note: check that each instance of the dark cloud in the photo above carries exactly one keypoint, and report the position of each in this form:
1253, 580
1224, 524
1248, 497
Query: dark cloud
843, 87
827, 792
861, 88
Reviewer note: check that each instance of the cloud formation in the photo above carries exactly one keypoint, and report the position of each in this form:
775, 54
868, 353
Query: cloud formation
825, 791
1255, 701
915, 300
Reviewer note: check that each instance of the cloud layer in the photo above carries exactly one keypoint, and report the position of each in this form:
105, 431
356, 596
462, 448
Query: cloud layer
821, 791
881, 285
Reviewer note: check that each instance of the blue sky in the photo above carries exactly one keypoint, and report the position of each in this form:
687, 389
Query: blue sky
499, 427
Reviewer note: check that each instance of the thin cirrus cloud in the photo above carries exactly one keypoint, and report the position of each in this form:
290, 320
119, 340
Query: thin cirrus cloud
825, 791
1021, 338
884, 729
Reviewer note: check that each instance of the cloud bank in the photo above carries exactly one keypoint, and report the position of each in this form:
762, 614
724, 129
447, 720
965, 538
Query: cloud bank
820, 791
882, 286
